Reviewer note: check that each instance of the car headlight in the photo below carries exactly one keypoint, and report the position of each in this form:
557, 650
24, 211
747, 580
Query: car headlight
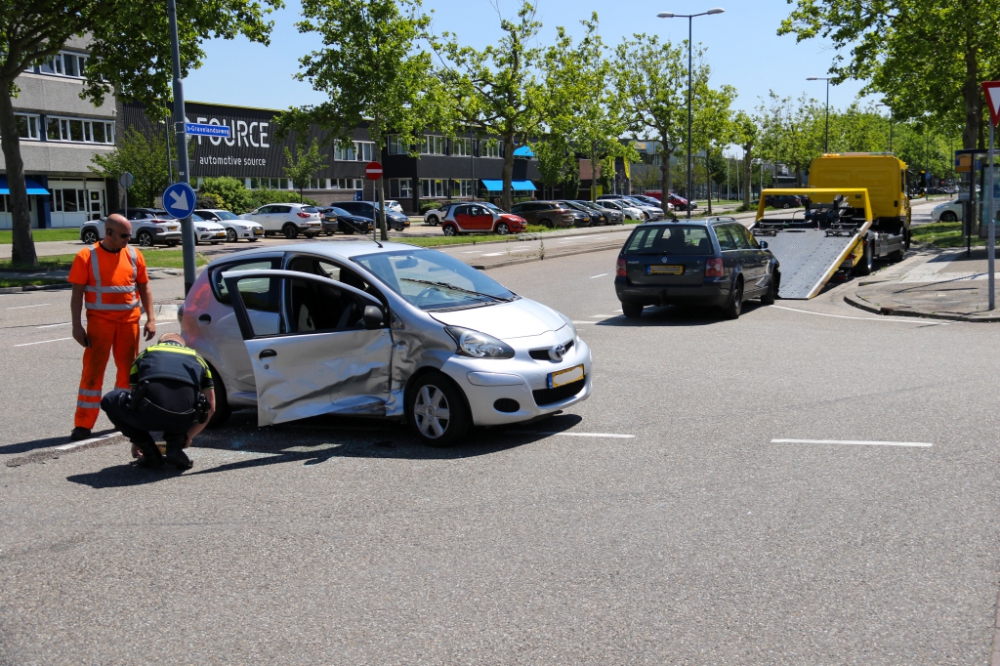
478, 345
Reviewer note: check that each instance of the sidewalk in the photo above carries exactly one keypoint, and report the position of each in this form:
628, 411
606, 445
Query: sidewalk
939, 284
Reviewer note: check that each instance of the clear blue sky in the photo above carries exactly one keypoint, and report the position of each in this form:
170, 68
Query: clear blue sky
742, 47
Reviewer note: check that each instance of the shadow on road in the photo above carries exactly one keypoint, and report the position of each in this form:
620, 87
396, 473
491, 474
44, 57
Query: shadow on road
240, 444
24, 447
677, 315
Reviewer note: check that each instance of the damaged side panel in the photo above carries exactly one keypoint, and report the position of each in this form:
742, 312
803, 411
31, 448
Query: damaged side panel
410, 352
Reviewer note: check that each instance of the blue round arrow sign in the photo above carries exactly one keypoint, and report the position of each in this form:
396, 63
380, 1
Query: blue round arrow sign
179, 200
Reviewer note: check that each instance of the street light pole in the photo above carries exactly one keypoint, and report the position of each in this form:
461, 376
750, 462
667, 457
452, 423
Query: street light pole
690, 18
826, 148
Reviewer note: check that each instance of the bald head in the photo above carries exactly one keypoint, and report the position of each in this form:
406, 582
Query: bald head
117, 231
172, 337
118, 223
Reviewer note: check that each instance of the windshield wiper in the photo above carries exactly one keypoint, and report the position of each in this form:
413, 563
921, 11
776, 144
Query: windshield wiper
463, 290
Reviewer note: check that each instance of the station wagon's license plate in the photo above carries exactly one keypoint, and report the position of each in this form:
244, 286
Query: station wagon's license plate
567, 376
669, 269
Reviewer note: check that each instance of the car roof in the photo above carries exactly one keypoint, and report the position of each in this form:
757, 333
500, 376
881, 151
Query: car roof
334, 250
701, 222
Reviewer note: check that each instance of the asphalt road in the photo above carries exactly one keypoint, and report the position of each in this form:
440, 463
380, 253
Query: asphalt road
656, 523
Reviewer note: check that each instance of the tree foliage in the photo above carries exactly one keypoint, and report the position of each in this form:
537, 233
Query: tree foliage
303, 164
145, 157
713, 128
495, 90
922, 55
130, 54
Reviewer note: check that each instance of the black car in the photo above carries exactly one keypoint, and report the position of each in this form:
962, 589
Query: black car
593, 217
366, 209
715, 262
782, 201
337, 219
611, 216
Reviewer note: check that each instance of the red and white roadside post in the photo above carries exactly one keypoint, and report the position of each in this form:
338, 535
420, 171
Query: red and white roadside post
373, 172
992, 91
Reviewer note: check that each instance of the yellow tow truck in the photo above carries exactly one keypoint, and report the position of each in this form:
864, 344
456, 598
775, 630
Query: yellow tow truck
856, 211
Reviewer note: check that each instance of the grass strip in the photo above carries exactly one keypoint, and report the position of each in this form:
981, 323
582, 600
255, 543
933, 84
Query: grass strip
26, 282
941, 234
43, 235
155, 258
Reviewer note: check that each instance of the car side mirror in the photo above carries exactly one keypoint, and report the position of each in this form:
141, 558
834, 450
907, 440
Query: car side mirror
373, 317
763, 245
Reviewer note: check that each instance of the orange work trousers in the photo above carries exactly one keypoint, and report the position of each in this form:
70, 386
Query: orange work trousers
106, 336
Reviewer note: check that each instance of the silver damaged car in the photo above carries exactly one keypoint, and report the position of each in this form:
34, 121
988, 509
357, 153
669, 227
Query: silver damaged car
386, 330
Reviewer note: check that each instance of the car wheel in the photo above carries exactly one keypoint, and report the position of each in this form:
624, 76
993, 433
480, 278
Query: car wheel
89, 236
436, 410
502, 229
231, 235
449, 230
348, 232
145, 239
949, 216
632, 310
252, 240
645, 217
171, 243
222, 408
771, 295
290, 231
735, 307
311, 236
546, 223
433, 220
867, 263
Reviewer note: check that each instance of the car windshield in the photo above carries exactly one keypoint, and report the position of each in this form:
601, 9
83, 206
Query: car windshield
195, 217
675, 239
226, 215
432, 280
492, 206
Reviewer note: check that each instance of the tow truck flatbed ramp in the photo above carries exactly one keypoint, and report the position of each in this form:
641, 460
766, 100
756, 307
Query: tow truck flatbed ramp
809, 253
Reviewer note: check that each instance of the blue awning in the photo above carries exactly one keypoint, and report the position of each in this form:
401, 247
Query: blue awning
34, 187
516, 185
524, 151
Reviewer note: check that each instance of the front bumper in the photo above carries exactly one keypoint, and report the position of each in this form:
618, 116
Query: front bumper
713, 292
521, 379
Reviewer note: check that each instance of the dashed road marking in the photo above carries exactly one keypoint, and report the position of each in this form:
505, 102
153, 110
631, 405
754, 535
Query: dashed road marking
494, 254
594, 277
583, 322
607, 435
22, 307
851, 442
42, 342
65, 323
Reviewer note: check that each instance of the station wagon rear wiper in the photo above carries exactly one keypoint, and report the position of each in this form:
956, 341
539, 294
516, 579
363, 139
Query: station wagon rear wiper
463, 290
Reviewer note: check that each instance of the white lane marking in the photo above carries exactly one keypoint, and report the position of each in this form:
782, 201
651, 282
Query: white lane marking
76, 445
901, 320
473, 252
494, 254
607, 435
850, 442
28, 344
594, 277
65, 323
602, 315
22, 307
584, 322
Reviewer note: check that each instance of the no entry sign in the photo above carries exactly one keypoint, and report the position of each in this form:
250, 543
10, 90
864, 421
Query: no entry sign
373, 171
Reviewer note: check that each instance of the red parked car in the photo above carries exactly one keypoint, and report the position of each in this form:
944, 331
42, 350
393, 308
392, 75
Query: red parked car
476, 218
680, 203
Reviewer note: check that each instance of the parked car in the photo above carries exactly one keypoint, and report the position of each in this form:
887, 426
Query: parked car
613, 216
949, 211
235, 227
629, 212
150, 226
548, 213
206, 231
434, 216
337, 219
275, 323
594, 217
366, 209
714, 262
290, 219
652, 201
477, 218
650, 212
393, 205
781, 201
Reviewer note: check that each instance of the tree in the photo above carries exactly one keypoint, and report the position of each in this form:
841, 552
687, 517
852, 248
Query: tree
129, 53
495, 90
923, 55
302, 166
746, 133
713, 128
143, 156
652, 79
791, 133
372, 72
555, 161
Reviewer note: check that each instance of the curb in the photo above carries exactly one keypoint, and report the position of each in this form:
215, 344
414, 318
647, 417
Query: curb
861, 304
528, 260
35, 287
54, 452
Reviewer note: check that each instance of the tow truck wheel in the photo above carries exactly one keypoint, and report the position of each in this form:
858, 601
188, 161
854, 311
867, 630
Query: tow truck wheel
732, 311
867, 263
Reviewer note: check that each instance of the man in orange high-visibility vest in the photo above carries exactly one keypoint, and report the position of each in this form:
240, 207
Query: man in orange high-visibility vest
109, 280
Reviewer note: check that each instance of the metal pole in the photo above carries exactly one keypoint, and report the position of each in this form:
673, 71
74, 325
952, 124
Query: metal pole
991, 240
690, 185
827, 141
187, 229
170, 167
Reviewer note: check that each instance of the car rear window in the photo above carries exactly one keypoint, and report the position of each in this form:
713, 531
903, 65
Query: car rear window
310, 209
673, 239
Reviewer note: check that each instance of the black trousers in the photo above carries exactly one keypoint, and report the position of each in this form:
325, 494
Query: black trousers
137, 425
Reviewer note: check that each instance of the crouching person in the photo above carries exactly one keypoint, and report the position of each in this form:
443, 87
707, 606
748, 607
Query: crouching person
171, 391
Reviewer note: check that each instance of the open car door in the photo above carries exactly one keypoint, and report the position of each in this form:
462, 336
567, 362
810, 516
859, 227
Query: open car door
332, 351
